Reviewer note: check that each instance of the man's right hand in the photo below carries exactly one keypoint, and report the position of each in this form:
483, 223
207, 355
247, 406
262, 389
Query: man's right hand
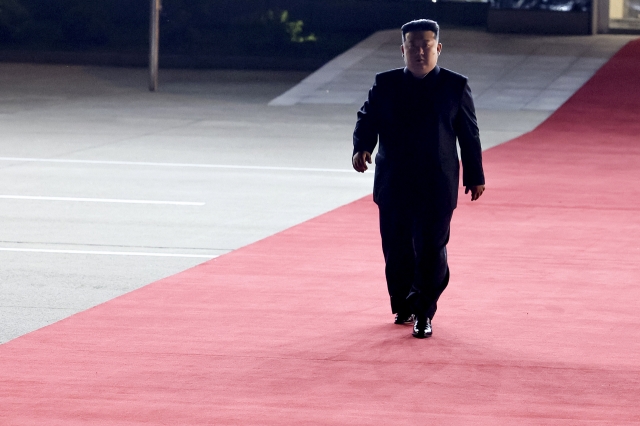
360, 160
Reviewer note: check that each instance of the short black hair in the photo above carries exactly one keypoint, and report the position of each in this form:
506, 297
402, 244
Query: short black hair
420, 25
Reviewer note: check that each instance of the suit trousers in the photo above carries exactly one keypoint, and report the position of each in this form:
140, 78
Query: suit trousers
414, 244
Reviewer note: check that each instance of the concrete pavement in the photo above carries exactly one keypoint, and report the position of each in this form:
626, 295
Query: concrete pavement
517, 80
207, 137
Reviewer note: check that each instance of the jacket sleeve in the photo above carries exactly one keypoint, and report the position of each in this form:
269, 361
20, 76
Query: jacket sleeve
365, 135
466, 128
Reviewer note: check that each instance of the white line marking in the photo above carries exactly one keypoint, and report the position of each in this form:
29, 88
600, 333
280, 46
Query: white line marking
99, 200
192, 165
109, 253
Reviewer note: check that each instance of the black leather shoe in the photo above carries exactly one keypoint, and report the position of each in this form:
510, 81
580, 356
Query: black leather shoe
403, 318
422, 328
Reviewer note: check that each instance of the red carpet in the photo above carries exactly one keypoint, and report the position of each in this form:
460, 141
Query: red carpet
539, 326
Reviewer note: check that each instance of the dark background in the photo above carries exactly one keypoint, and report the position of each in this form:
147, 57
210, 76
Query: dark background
215, 28
249, 33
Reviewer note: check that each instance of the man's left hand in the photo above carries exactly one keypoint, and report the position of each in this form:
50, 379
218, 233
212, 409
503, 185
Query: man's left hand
476, 191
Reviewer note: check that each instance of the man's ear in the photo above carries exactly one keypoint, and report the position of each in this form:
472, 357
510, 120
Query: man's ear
402, 49
439, 48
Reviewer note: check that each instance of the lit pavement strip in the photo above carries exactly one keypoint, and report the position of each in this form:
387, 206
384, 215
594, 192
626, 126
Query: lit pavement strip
99, 200
108, 200
109, 253
191, 165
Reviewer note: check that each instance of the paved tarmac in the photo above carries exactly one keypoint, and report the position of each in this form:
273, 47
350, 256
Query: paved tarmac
106, 187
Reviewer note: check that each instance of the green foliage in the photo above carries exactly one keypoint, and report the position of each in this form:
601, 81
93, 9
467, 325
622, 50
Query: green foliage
81, 24
274, 33
198, 27
14, 20
86, 23
280, 21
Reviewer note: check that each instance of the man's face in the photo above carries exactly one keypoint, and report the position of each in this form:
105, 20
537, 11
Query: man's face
420, 50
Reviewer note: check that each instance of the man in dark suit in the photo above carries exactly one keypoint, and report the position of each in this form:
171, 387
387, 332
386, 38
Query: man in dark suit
417, 113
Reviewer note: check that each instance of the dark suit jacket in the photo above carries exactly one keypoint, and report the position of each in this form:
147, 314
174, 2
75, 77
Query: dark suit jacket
417, 123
